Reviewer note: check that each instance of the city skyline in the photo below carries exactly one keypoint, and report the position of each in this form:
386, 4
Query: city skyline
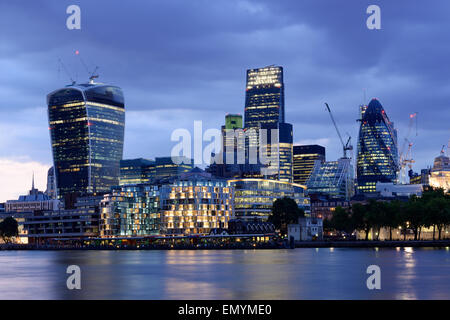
209, 94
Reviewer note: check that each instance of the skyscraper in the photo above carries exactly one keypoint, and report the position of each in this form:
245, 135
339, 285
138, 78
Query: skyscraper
377, 159
86, 123
303, 161
264, 96
264, 109
279, 154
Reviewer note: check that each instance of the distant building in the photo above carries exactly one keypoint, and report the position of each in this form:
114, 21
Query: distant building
391, 190
2, 208
333, 179
166, 167
307, 229
233, 121
51, 184
440, 173
231, 161
35, 200
281, 152
86, 123
253, 198
303, 161
130, 210
324, 207
377, 159
136, 171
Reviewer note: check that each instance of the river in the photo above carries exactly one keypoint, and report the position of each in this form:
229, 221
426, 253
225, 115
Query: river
302, 273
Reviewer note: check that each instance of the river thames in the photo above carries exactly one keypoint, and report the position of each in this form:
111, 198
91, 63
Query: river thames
303, 273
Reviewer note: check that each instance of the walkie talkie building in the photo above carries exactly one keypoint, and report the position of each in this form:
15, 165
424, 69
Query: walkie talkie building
86, 123
377, 159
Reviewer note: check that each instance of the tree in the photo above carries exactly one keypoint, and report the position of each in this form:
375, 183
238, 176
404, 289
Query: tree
9, 229
439, 209
359, 219
284, 212
414, 214
391, 216
341, 220
375, 216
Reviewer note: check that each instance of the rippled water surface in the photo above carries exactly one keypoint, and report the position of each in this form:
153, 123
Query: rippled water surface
303, 273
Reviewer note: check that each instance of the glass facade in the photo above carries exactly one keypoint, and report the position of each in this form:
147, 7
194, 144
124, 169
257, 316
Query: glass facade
303, 161
130, 211
86, 124
136, 171
280, 154
377, 159
195, 205
332, 178
166, 167
253, 198
264, 98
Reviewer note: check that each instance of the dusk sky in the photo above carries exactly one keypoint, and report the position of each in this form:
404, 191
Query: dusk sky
181, 61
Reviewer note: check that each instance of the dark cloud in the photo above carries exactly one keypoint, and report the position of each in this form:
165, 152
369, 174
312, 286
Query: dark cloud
180, 61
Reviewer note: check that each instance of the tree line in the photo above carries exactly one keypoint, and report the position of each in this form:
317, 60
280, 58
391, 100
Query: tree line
431, 210
9, 229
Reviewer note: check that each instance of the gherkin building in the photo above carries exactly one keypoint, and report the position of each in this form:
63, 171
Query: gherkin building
377, 159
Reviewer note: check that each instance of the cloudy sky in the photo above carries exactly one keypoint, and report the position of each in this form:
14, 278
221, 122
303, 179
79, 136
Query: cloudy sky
180, 61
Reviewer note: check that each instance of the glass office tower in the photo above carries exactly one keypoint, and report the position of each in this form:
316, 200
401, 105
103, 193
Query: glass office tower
264, 97
303, 163
334, 179
377, 159
86, 123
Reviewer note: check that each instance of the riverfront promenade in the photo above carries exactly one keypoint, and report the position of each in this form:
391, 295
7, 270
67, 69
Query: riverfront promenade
237, 246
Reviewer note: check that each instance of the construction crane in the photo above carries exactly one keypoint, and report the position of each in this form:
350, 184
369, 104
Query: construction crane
405, 158
345, 146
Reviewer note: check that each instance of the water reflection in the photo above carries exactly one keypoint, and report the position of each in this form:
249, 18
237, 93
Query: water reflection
334, 273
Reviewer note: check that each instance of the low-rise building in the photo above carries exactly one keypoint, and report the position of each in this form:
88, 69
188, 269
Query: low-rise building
253, 198
307, 229
131, 210
324, 207
35, 200
391, 190
440, 173
195, 203
190, 203
239, 226
81, 221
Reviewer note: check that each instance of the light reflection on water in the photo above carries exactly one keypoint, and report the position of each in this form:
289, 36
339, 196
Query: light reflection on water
334, 273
